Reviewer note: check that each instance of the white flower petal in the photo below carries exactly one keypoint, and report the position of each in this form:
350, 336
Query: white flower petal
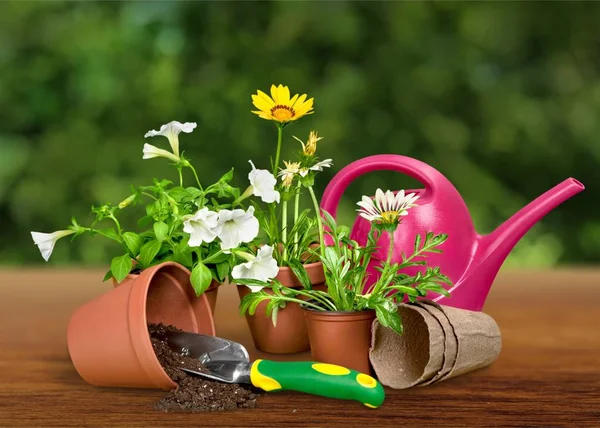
237, 226
323, 164
263, 184
171, 130
46, 241
203, 226
151, 151
379, 198
262, 268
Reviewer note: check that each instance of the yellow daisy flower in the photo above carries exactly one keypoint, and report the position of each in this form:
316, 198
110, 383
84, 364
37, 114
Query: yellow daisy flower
280, 107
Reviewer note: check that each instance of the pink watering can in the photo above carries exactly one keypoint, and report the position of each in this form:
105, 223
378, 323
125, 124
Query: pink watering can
470, 260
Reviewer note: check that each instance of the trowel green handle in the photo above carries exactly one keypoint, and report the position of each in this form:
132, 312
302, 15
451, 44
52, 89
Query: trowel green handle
327, 380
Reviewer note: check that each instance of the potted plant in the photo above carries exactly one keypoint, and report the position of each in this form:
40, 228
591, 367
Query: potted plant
189, 239
289, 231
339, 319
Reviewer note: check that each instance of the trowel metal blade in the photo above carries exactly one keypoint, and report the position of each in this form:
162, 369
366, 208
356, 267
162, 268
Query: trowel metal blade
206, 348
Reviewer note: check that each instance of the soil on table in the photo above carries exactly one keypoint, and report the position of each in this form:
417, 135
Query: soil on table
194, 393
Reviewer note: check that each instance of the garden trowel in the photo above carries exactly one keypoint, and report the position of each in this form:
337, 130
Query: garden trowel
228, 361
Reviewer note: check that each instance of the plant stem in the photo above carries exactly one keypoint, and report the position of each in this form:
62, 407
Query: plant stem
302, 302
113, 218
319, 220
279, 139
379, 284
296, 209
149, 195
92, 230
390, 249
196, 175
317, 297
180, 176
210, 258
284, 228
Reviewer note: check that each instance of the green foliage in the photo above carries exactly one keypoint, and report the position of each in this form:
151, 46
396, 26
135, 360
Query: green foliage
345, 264
201, 278
501, 97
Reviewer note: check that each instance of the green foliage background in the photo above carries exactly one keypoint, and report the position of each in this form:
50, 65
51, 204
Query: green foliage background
502, 97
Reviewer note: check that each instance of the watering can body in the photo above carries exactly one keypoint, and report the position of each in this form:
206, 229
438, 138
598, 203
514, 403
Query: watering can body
470, 260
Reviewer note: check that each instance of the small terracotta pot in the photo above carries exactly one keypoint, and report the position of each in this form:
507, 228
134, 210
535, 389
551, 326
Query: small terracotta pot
108, 337
290, 336
341, 338
211, 294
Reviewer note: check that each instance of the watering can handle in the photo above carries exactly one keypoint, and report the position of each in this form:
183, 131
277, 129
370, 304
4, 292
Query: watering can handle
432, 179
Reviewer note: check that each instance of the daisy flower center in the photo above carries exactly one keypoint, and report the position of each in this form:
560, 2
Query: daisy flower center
282, 113
389, 216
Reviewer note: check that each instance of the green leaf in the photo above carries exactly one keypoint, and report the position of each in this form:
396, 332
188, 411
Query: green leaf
145, 221
109, 233
121, 266
389, 319
201, 278
193, 192
133, 241
223, 270
161, 230
417, 242
300, 273
227, 177
108, 276
148, 251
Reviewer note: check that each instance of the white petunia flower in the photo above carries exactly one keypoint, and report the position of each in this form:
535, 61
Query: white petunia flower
46, 241
171, 130
151, 151
203, 226
262, 268
263, 184
237, 226
386, 208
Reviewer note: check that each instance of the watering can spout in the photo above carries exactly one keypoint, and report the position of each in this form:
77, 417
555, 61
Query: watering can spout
501, 241
492, 249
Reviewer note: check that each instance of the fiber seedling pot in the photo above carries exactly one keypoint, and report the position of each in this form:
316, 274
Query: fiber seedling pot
341, 338
108, 337
290, 335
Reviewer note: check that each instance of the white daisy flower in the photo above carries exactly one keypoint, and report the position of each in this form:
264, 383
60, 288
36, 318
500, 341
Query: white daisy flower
263, 267
263, 185
320, 165
171, 130
46, 241
386, 208
203, 226
237, 226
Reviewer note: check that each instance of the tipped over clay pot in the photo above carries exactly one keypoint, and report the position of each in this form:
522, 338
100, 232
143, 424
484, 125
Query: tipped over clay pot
341, 338
108, 337
290, 335
211, 294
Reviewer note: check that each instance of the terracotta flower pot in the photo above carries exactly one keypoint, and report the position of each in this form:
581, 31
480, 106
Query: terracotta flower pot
290, 336
108, 337
341, 338
211, 294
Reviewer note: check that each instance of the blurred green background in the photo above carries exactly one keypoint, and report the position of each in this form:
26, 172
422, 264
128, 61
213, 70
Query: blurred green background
502, 98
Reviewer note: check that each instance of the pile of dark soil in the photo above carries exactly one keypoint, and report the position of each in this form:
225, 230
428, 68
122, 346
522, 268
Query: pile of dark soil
195, 394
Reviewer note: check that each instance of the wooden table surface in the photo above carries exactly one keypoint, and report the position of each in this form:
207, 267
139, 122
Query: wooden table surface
548, 373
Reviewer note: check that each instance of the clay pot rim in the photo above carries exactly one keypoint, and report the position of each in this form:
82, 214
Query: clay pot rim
307, 266
338, 313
